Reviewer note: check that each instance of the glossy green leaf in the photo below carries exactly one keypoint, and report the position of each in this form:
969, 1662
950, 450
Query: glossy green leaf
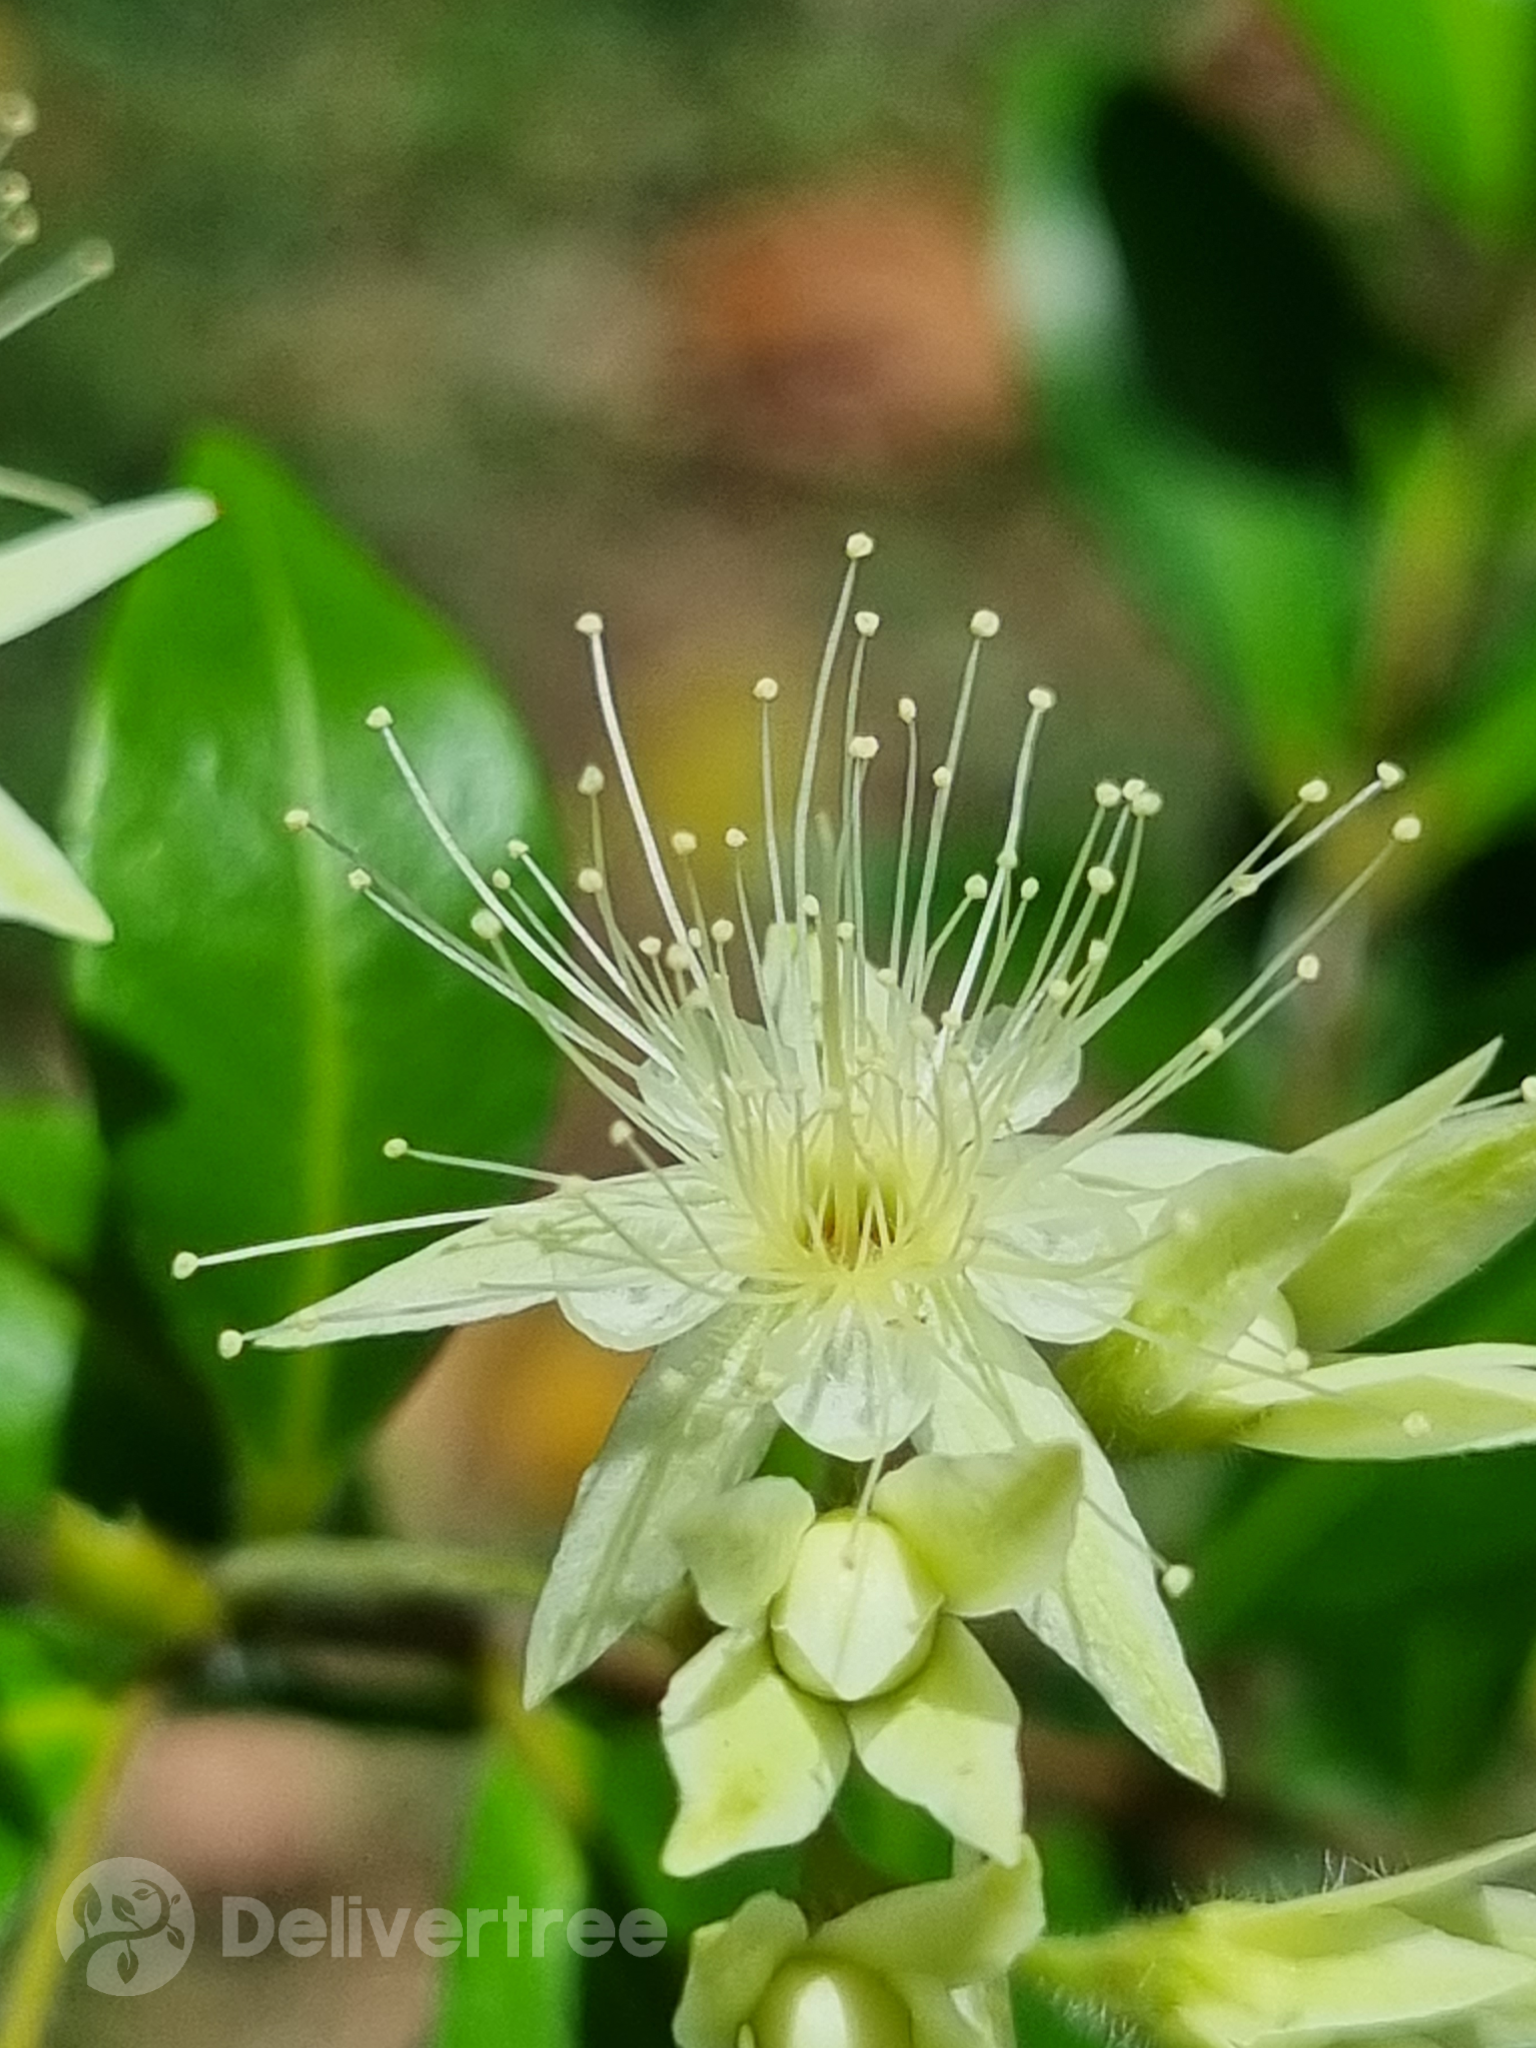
1450, 83
517, 1855
259, 1031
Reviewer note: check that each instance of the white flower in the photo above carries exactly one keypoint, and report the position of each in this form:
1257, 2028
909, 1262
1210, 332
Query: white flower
920, 1968
50, 572
865, 1233
841, 1634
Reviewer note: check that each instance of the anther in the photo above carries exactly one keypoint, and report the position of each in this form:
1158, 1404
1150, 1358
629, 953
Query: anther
1313, 792
975, 888
866, 624
1147, 804
1390, 775
765, 689
1212, 1039
359, 879
1106, 795
844, 929
1029, 888
620, 1132
985, 625
298, 819
1308, 967
590, 624
906, 710
1100, 880
485, 924
735, 838
650, 946
590, 881
1042, 699
678, 958
942, 776
863, 746
1098, 952
184, 1265
1132, 787
395, 1148
1060, 990
1243, 886
18, 116
231, 1343
591, 781
685, 843
1407, 828
858, 547
810, 906
722, 931
380, 718
1176, 1581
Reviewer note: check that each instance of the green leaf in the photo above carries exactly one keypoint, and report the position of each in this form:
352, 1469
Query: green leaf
1254, 577
50, 1175
517, 1854
1451, 83
259, 1031
40, 1325
51, 1727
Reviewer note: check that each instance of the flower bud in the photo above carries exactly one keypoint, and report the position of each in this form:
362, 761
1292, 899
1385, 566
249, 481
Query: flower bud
816, 2004
856, 1617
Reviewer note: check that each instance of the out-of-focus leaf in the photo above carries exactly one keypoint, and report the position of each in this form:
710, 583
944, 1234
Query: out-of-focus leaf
1450, 83
259, 1032
50, 1172
1252, 576
50, 1729
1481, 778
518, 1853
40, 1324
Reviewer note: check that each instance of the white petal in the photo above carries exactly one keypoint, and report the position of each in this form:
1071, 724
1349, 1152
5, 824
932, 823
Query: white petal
757, 1762
695, 1423
740, 1548
855, 1385
949, 1742
1108, 1621
1414, 1404
992, 1529
592, 1247
1156, 1159
730, 1965
1053, 1259
1357, 1147
957, 1930
47, 573
37, 884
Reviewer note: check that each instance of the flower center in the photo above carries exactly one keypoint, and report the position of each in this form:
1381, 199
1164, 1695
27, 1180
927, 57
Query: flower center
854, 1221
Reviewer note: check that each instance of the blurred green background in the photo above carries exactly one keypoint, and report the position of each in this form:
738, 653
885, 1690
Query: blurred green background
1197, 339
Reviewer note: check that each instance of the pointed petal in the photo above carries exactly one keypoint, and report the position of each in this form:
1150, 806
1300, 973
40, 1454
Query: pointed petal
591, 1246
991, 1529
949, 1742
730, 1965
48, 573
740, 1548
1226, 1242
1446, 1203
757, 1762
1154, 1161
1411, 1404
959, 1930
855, 1385
39, 887
1107, 1620
695, 1423
1355, 1148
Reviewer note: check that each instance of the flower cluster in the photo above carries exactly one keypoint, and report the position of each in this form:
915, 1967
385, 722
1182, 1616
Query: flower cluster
848, 1218
49, 572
